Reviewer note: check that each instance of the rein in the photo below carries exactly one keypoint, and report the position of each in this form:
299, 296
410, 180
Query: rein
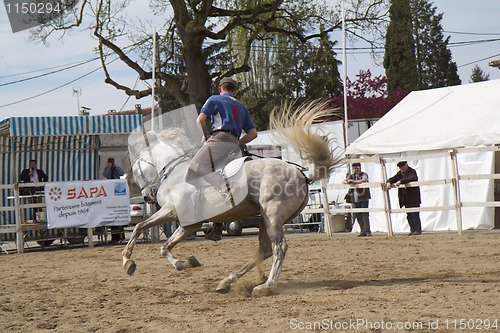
301, 168
167, 169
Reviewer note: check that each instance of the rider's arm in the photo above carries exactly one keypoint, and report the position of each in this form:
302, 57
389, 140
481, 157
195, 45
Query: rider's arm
249, 136
202, 125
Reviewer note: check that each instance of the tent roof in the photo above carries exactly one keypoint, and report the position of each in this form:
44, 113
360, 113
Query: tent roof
443, 118
70, 125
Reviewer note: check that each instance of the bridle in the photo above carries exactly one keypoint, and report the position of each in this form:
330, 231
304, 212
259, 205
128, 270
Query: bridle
165, 171
155, 181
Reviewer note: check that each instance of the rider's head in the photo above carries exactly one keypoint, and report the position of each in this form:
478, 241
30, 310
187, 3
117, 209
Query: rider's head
228, 85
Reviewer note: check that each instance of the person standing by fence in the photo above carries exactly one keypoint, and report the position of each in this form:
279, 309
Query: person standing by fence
113, 171
359, 198
408, 196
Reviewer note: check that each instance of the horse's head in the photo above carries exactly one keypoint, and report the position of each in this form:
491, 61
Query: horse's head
147, 178
154, 152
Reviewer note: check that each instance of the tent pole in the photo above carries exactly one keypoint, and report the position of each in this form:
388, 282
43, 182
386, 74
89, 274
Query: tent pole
387, 201
326, 209
456, 190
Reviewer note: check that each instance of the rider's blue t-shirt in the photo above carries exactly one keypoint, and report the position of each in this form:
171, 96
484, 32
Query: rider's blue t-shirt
228, 114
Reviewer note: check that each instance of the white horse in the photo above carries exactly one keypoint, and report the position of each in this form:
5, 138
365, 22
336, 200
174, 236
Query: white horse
277, 190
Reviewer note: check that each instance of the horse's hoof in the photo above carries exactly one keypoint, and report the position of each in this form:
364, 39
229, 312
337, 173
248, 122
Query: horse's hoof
262, 290
194, 262
223, 287
130, 267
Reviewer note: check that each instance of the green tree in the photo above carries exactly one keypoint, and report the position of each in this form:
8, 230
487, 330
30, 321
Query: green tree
301, 71
399, 59
435, 67
478, 75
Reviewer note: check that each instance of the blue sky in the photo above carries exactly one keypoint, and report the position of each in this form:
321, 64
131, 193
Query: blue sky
18, 55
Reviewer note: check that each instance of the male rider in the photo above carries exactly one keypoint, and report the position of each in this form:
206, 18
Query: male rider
229, 118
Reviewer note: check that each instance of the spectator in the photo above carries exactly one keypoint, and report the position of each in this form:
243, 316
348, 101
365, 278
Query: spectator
360, 199
408, 196
32, 175
113, 171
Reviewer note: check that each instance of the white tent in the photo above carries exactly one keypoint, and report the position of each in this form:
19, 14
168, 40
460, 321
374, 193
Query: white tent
449, 117
433, 121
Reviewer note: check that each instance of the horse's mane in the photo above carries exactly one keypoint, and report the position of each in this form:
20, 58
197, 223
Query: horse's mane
295, 126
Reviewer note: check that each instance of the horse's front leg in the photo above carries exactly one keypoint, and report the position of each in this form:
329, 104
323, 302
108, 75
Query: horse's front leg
180, 234
160, 217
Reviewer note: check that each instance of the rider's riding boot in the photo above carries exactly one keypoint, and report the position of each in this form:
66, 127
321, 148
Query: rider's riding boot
216, 233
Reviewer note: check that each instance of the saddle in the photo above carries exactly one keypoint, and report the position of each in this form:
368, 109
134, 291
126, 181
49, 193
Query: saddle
234, 166
227, 172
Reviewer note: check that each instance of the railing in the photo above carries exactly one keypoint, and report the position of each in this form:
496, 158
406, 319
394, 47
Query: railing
20, 210
454, 181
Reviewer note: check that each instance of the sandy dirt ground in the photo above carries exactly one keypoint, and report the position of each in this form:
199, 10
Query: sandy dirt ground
435, 282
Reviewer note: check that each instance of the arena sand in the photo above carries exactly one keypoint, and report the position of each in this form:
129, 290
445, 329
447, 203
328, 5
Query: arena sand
435, 282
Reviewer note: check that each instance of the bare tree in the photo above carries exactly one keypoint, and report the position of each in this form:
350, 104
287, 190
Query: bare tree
187, 72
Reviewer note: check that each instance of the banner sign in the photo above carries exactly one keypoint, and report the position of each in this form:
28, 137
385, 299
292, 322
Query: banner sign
87, 204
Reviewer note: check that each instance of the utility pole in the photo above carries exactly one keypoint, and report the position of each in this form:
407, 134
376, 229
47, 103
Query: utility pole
158, 80
153, 92
78, 92
344, 76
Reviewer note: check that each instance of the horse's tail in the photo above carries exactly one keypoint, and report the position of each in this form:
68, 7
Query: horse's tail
313, 145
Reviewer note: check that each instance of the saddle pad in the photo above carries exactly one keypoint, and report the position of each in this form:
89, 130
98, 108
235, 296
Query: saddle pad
234, 166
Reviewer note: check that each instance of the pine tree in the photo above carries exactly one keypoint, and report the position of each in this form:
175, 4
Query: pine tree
435, 67
399, 59
478, 75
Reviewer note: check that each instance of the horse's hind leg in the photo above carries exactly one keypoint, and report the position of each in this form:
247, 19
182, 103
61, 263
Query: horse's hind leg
263, 253
279, 248
162, 216
180, 234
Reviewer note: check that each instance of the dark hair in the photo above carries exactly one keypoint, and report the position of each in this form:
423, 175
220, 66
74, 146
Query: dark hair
401, 164
356, 164
228, 86
111, 160
33, 161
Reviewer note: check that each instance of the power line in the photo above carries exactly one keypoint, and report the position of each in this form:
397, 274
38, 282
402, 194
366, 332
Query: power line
351, 51
58, 87
49, 73
473, 33
473, 62
44, 69
473, 42
70, 65
355, 50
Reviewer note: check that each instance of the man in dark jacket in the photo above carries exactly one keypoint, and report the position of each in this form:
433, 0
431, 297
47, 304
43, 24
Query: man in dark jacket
112, 171
408, 196
32, 175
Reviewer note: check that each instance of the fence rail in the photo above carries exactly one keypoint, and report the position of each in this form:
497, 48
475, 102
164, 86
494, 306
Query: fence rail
454, 181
